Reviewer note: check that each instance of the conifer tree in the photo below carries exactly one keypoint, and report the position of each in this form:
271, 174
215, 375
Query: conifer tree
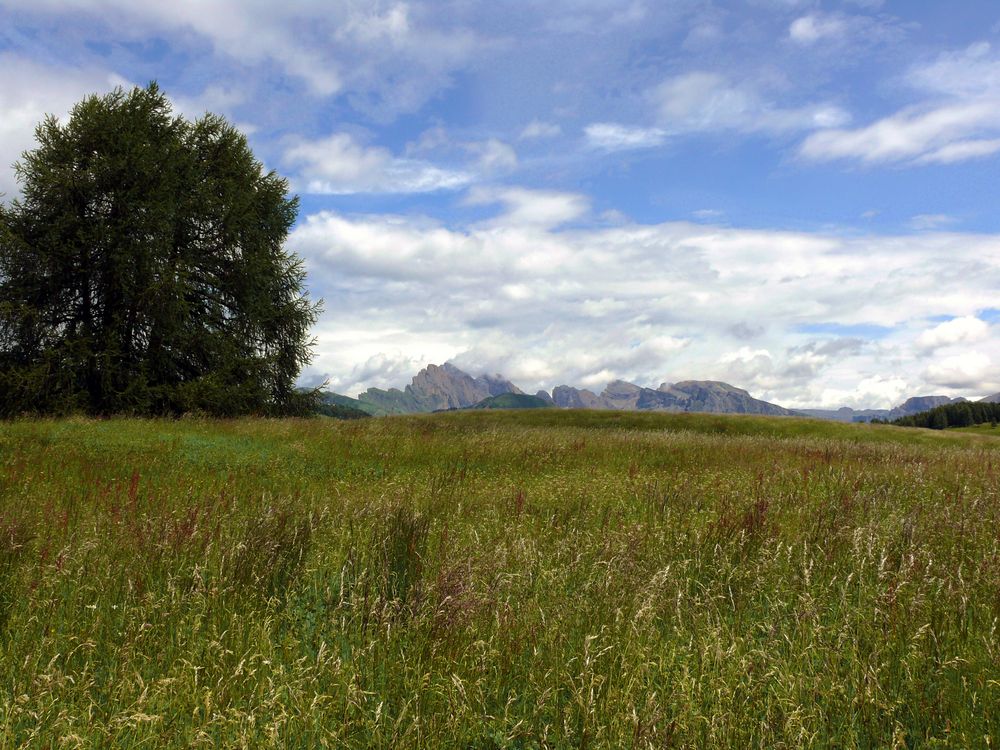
143, 271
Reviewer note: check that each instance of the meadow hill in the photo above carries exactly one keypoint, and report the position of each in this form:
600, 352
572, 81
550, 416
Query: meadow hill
741, 259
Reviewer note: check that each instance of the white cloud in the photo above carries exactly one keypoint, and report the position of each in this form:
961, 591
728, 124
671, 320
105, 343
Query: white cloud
609, 136
810, 29
967, 370
381, 52
30, 91
535, 208
493, 155
537, 129
967, 329
958, 120
937, 134
875, 391
651, 303
967, 73
703, 101
431, 140
931, 221
339, 164
216, 99
250, 32
961, 151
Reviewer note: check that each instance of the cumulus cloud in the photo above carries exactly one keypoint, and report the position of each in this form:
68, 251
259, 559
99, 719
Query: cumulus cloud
338, 164
967, 329
809, 29
873, 391
649, 303
531, 208
958, 119
967, 370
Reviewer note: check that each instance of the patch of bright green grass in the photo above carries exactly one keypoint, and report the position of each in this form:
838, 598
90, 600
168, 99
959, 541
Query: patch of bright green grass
498, 580
979, 429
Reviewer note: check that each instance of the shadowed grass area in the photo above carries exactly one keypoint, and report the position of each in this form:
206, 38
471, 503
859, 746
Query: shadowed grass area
498, 580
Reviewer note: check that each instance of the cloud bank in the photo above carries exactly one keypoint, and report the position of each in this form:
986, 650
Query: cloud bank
779, 313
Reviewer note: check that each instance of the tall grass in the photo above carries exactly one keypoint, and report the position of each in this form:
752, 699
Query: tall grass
492, 580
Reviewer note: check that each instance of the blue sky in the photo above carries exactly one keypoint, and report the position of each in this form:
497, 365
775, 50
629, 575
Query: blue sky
796, 196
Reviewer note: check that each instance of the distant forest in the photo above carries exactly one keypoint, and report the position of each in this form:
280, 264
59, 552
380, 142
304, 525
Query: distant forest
963, 414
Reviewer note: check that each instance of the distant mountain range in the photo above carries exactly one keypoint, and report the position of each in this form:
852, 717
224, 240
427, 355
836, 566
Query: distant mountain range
443, 387
446, 387
435, 388
689, 395
911, 406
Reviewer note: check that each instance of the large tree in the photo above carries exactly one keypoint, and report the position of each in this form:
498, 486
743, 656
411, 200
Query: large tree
143, 269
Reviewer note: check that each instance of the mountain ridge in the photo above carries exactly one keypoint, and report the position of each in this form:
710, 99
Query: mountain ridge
436, 388
911, 406
446, 387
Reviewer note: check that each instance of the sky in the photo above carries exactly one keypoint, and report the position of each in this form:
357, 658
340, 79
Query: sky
797, 197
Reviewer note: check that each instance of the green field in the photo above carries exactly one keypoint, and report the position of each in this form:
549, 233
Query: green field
980, 429
498, 580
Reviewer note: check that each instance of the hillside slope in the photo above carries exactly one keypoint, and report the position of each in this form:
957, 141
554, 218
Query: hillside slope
513, 401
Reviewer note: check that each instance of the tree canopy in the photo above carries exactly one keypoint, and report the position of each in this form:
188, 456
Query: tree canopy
143, 269
962, 414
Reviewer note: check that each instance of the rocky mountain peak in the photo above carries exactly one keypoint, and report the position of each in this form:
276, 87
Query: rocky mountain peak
438, 387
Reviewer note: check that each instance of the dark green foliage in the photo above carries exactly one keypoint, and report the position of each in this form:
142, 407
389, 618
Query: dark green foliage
340, 411
512, 401
400, 548
327, 398
274, 546
963, 414
143, 270
394, 401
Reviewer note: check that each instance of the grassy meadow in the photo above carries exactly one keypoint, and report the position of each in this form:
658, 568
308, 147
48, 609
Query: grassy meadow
542, 579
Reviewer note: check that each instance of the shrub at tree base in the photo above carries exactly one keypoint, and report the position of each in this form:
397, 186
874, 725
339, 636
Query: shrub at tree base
143, 269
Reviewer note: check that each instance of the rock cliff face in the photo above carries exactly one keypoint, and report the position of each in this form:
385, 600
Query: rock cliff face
689, 395
438, 387
918, 404
569, 397
713, 396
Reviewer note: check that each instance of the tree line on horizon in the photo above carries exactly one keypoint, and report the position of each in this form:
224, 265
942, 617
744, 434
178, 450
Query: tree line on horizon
962, 414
